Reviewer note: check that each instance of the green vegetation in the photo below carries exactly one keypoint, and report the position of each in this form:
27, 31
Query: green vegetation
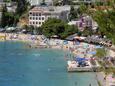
32, 29
62, 2
73, 13
101, 53
43, 2
99, 84
76, 13
22, 6
109, 70
4, 17
7, 0
106, 20
87, 31
57, 27
8, 18
82, 9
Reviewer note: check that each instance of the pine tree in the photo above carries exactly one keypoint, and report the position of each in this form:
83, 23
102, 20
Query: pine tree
4, 17
22, 6
65, 2
73, 13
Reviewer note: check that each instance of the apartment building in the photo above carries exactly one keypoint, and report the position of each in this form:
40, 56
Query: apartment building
38, 15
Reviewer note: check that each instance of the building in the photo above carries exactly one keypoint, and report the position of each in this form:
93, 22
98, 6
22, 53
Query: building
11, 7
38, 2
34, 2
86, 1
38, 15
83, 22
1, 3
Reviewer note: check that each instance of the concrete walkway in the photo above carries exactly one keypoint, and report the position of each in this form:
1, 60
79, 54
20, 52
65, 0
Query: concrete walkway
100, 77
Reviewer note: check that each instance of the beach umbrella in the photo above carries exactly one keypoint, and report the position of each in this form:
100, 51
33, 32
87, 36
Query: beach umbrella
92, 52
77, 42
98, 46
65, 42
79, 59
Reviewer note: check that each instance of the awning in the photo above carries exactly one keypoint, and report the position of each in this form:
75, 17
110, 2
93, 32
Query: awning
79, 59
92, 52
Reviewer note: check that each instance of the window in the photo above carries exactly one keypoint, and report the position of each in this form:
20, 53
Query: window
33, 14
40, 14
33, 22
30, 18
30, 13
36, 14
39, 18
36, 18
36, 22
39, 22
30, 23
42, 18
42, 22
33, 18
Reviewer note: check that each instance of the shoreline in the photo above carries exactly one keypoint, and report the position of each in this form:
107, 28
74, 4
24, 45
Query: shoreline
54, 44
27, 38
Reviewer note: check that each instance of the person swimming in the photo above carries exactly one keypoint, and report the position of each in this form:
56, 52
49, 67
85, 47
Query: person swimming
49, 69
76, 83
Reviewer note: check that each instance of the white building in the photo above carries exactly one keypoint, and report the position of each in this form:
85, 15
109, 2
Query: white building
38, 15
34, 2
37, 2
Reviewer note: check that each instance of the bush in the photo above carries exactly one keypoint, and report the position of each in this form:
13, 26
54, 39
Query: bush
57, 27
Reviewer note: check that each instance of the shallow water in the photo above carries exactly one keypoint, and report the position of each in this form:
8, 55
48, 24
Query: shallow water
20, 66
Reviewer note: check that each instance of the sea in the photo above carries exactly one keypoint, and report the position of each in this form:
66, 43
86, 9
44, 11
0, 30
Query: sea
23, 66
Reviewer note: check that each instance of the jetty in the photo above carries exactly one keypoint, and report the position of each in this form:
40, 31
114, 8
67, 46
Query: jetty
74, 66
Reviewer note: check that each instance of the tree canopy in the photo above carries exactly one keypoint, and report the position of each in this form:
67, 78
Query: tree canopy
57, 27
22, 6
101, 53
106, 22
73, 13
8, 18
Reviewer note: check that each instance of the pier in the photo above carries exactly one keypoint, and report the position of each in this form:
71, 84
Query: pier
74, 67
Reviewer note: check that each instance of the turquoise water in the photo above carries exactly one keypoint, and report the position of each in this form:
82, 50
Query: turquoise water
20, 66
